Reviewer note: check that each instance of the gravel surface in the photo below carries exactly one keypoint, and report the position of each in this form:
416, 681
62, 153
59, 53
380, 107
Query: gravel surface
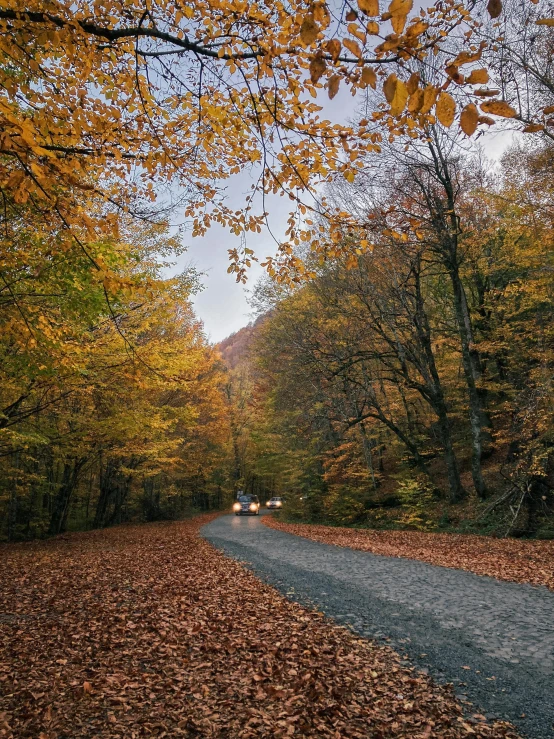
493, 640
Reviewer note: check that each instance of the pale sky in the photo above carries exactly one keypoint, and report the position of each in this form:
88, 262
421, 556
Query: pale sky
223, 304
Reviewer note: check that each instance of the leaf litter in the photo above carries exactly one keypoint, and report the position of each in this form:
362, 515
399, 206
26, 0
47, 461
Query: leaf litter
148, 631
513, 560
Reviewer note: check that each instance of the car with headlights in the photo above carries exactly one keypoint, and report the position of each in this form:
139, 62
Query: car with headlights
274, 503
246, 505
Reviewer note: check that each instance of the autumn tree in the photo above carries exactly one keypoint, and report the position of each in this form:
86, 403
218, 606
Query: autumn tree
375, 337
120, 99
104, 381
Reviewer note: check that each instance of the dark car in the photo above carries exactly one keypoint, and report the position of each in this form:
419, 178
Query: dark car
247, 505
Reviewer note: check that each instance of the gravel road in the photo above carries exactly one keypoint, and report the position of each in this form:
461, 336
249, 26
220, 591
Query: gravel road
493, 640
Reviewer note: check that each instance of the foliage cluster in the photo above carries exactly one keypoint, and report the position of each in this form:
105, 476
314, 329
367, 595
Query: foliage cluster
111, 405
422, 370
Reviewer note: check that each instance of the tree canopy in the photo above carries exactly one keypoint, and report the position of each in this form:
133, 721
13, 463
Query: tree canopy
118, 99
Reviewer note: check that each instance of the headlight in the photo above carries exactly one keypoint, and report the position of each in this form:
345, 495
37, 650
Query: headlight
236, 506
253, 506
268, 502
278, 504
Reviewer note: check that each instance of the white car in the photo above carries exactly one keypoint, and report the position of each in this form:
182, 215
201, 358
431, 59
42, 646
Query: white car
274, 503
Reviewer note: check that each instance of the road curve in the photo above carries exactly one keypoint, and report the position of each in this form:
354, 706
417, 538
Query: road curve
493, 640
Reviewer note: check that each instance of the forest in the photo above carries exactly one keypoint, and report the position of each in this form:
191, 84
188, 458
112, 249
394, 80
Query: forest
399, 372
412, 385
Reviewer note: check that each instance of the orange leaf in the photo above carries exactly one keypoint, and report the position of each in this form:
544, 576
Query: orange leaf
416, 29
500, 108
389, 87
369, 7
478, 77
369, 77
317, 68
334, 47
355, 30
333, 86
353, 47
413, 83
469, 119
545, 22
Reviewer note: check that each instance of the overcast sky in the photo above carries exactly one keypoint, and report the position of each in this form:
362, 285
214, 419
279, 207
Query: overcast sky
223, 304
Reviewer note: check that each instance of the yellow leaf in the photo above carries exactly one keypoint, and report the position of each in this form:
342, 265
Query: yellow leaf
469, 119
398, 22
369, 77
400, 98
429, 96
400, 7
445, 109
389, 87
495, 8
369, 7
465, 57
309, 30
545, 22
478, 77
500, 108
415, 102
353, 47
322, 15
373, 28
349, 175
333, 86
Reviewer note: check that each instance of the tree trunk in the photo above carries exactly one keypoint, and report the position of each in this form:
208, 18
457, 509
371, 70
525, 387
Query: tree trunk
368, 454
60, 511
479, 422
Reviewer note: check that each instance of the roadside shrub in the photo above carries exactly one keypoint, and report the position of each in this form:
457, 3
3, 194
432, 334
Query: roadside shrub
416, 496
342, 508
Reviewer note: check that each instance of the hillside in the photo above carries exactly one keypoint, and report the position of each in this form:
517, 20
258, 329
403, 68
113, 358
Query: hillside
236, 347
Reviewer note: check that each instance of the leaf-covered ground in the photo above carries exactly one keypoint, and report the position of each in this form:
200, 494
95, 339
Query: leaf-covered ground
146, 631
515, 560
